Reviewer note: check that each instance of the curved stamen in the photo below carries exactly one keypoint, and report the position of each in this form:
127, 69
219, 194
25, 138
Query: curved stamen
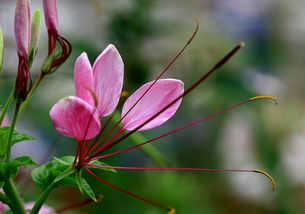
186, 126
190, 169
170, 209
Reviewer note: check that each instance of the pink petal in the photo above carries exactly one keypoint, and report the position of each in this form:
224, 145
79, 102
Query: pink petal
83, 78
50, 14
22, 26
71, 115
159, 96
108, 72
43, 210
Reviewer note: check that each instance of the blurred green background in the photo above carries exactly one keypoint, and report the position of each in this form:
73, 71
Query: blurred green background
148, 34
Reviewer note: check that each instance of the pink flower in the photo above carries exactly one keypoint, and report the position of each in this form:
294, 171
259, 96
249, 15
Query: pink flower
98, 90
23, 35
71, 116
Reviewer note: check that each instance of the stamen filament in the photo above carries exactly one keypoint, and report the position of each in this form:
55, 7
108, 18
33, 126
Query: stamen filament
170, 209
189, 169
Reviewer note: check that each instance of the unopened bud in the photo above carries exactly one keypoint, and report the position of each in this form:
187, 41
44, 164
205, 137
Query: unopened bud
35, 35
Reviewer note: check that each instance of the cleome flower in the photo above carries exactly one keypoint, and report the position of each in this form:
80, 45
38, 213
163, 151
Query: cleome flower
98, 90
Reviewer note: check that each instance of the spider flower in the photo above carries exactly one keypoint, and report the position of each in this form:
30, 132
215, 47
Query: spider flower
23, 36
54, 60
78, 116
98, 90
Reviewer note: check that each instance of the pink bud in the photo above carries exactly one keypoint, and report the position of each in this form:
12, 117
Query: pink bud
23, 27
50, 14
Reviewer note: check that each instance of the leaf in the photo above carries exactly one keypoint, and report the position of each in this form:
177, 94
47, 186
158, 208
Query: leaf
11, 168
85, 188
1, 184
17, 137
47, 173
65, 173
98, 162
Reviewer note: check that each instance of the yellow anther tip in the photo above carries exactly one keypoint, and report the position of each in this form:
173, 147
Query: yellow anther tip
264, 97
171, 211
124, 94
242, 44
268, 176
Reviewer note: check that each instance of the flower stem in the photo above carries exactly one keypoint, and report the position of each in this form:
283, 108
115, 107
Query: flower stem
10, 137
42, 198
30, 95
7, 105
3, 198
13, 198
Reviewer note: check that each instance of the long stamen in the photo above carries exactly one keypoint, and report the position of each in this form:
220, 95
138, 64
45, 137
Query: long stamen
187, 126
158, 77
170, 209
107, 142
80, 152
191, 169
97, 141
201, 80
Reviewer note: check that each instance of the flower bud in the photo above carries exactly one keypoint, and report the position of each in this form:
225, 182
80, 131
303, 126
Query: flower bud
35, 35
50, 14
22, 27
23, 34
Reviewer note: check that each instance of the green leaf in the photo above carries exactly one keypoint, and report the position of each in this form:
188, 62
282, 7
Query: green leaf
17, 137
85, 188
47, 173
1, 184
98, 162
11, 168
65, 173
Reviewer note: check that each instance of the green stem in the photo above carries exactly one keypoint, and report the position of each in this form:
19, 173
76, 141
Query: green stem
3, 198
14, 199
7, 105
42, 198
10, 137
30, 95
